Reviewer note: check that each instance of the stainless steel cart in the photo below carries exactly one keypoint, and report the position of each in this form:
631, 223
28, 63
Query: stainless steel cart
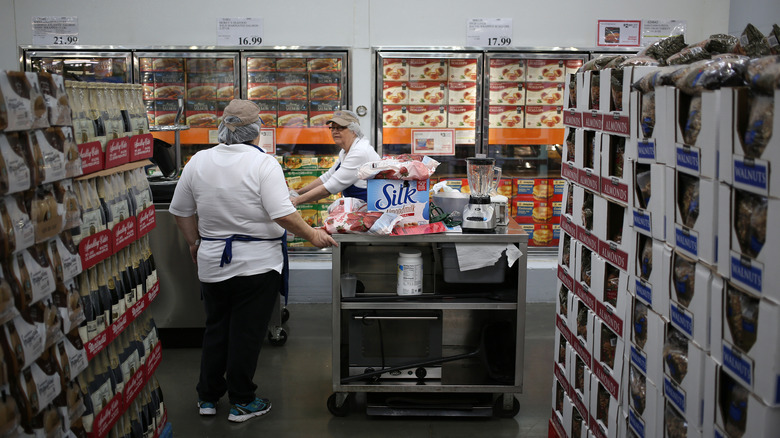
379, 330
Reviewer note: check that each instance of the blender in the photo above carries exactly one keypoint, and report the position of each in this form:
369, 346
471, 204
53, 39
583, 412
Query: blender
479, 215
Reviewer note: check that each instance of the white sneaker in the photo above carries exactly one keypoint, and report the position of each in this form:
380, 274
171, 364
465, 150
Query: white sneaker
207, 408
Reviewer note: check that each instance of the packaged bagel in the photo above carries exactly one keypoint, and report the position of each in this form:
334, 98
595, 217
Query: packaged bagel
23, 341
55, 97
37, 102
15, 90
67, 204
34, 263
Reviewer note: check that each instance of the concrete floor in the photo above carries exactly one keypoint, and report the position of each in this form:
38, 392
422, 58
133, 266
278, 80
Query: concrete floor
297, 379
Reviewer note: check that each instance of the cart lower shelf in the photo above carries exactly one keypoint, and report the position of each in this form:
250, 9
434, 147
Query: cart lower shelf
432, 404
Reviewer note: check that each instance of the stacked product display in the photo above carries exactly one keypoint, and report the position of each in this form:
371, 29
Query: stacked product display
78, 351
666, 324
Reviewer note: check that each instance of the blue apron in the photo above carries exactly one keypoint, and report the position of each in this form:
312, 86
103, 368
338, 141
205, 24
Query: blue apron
227, 253
354, 191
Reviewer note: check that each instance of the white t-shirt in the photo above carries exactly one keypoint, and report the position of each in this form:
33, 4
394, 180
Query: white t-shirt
360, 152
234, 189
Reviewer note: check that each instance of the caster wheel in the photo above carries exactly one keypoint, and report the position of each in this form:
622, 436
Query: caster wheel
499, 411
335, 409
285, 314
280, 338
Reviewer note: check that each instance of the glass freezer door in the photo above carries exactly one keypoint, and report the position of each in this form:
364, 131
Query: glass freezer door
81, 65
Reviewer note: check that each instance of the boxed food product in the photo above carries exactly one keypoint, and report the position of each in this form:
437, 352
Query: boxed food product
303, 162
697, 141
609, 286
561, 342
462, 93
427, 116
428, 69
649, 212
427, 92
396, 116
689, 305
755, 145
463, 70
684, 369
507, 70
695, 234
615, 85
589, 94
575, 423
653, 120
616, 169
507, 93
645, 349
542, 234
645, 413
739, 412
396, 93
324, 91
323, 64
581, 323
652, 261
558, 396
608, 358
533, 211
293, 114
409, 199
506, 116
588, 159
580, 377
297, 179
53, 90
291, 64
201, 113
613, 231
319, 118
16, 113
462, 116
395, 69
543, 116
544, 93
551, 70
604, 410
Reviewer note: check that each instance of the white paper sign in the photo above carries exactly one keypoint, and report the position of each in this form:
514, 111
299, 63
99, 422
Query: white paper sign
55, 31
619, 33
489, 32
268, 140
656, 30
433, 141
246, 31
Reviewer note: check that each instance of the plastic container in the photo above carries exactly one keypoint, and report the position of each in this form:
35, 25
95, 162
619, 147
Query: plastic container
410, 272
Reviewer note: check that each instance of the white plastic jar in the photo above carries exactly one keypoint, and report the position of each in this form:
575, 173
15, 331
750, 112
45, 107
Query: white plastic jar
410, 272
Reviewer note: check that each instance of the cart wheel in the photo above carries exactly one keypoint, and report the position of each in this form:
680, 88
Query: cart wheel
285, 314
278, 337
334, 408
499, 411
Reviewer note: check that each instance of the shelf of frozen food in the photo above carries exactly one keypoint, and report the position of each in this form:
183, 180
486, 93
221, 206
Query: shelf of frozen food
526, 136
404, 135
283, 136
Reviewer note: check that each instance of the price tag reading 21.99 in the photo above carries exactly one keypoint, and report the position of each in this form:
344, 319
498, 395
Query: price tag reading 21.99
60, 40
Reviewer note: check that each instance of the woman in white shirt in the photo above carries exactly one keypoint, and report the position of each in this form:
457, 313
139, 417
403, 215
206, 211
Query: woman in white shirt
342, 176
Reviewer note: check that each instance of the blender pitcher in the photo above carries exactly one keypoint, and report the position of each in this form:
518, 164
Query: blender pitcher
484, 176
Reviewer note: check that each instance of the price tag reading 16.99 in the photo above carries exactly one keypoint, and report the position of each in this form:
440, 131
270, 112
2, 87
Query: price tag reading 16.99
250, 41
503, 41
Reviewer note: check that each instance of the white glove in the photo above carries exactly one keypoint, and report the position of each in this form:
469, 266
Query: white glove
294, 194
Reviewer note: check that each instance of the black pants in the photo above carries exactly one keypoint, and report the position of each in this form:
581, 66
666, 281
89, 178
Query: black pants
237, 315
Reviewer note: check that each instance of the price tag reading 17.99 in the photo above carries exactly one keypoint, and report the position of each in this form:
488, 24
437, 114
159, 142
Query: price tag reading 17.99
60, 40
250, 41
503, 41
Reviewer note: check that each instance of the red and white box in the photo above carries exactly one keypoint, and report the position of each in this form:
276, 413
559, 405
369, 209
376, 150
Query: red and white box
463, 70
750, 347
613, 229
580, 377
396, 116
572, 65
507, 93
588, 159
543, 116
648, 207
395, 93
610, 287
566, 252
686, 392
427, 92
689, 303
579, 203
754, 174
649, 278
645, 351
394, 69
645, 410
549, 70
608, 358
544, 93
506, 116
461, 116
507, 70
558, 396
694, 233
617, 102
616, 169
462, 93
656, 144
604, 410
700, 158
740, 413
581, 325
561, 342
428, 69
575, 423
427, 116
589, 92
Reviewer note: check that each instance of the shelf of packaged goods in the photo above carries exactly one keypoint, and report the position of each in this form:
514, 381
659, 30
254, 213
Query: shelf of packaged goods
404, 135
283, 136
525, 136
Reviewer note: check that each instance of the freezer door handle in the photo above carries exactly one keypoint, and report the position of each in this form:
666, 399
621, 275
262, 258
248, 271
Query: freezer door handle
358, 318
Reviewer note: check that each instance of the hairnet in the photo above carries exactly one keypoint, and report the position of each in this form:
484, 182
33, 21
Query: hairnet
240, 134
355, 128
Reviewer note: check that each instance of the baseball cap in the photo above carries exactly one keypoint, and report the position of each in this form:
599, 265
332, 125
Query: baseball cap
245, 110
344, 118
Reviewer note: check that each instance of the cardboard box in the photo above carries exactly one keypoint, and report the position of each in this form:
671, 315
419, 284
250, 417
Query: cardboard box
462, 93
395, 69
506, 116
689, 305
506, 70
544, 93
427, 116
533, 211
658, 146
701, 157
756, 273
561, 344
579, 204
583, 272
696, 234
548, 70
649, 277
570, 92
558, 396
463, 70
543, 116
649, 215
645, 414
610, 288
396, 116
741, 413
427, 92
617, 105
395, 93
750, 351
575, 423
407, 198
604, 409
608, 357
646, 342
566, 252
685, 392
589, 92
588, 159
612, 227
570, 144
506, 93
428, 69
616, 169
580, 377
581, 326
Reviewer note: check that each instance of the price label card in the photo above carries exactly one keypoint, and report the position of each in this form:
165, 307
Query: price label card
619, 33
433, 141
268, 140
55, 31
245, 31
656, 30
489, 32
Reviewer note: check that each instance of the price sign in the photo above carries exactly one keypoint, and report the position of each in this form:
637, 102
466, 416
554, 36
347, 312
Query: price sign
268, 140
620, 33
433, 141
239, 31
656, 30
55, 31
490, 32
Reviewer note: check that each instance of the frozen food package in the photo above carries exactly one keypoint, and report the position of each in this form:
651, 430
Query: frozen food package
37, 102
693, 122
753, 43
683, 279
763, 74
676, 354
750, 221
663, 49
640, 324
598, 63
688, 55
15, 89
759, 128
688, 199
742, 318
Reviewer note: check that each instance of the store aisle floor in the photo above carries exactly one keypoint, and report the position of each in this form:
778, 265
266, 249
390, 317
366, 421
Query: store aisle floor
297, 379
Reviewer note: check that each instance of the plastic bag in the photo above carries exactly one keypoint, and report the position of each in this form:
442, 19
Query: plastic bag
688, 55
720, 71
639, 60
753, 43
346, 205
399, 168
759, 129
598, 63
763, 74
773, 39
693, 123
718, 43
663, 49
361, 222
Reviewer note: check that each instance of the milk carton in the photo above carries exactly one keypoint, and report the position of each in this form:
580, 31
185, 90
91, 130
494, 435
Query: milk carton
409, 199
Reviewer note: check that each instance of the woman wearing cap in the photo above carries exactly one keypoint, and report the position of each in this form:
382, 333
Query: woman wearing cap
238, 242
342, 176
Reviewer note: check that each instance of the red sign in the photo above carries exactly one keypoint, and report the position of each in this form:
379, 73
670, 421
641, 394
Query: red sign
141, 147
117, 152
106, 418
91, 155
570, 172
572, 118
97, 344
593, 120
613, 255
124, 233
146, 221
137, 308
152, 293
155, 357
589, 180
610, 319
134, 385
95, 248
617, 124
612, 188
584, 294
